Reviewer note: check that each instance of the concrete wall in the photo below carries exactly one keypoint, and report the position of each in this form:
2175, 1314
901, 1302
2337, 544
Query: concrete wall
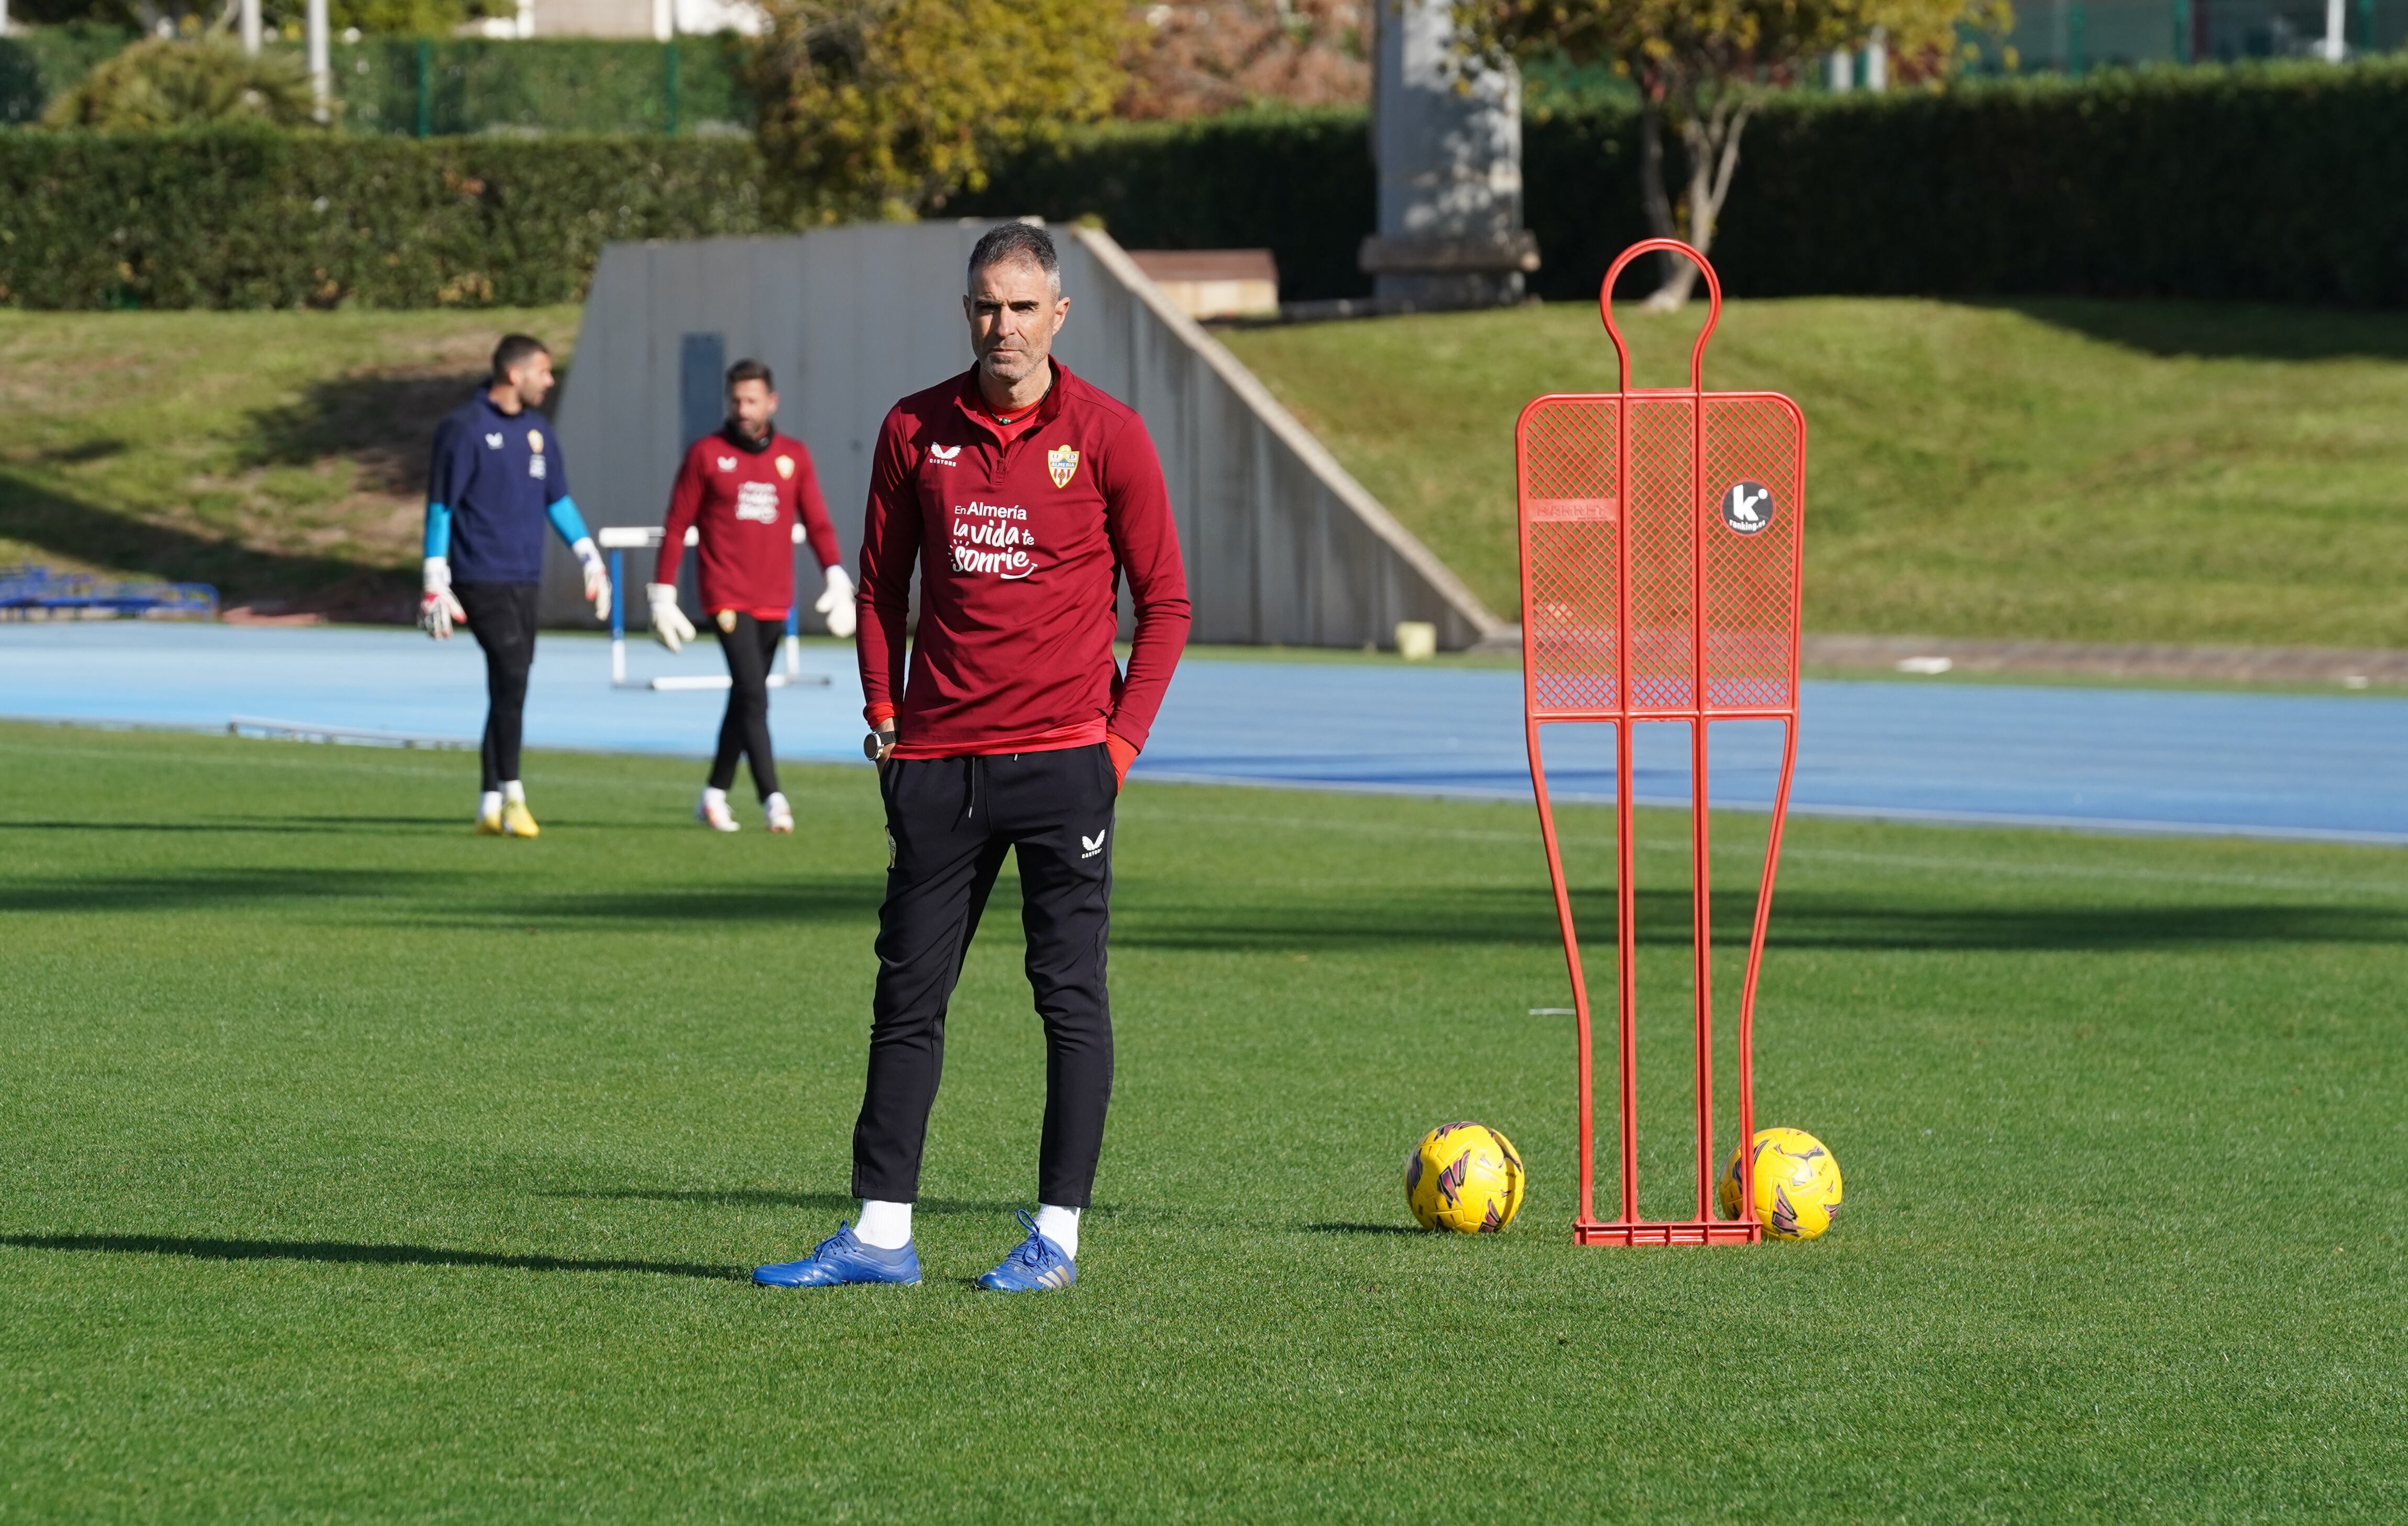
1281, 545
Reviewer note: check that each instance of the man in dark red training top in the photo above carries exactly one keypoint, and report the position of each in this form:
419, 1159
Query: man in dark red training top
1024, 496
750, 494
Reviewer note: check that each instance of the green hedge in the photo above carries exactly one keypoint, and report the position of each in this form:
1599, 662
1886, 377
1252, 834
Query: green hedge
2283, 181
2277, 182
258, 219
1298, 183
2269, 182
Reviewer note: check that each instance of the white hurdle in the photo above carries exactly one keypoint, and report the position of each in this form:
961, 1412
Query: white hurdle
618, 540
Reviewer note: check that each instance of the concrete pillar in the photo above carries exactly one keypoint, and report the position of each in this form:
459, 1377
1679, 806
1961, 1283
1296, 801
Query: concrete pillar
321, 60
251, 29
1447, 145
1877, 59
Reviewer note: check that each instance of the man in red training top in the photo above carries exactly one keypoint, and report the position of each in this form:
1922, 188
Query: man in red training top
749, 492
1023, 496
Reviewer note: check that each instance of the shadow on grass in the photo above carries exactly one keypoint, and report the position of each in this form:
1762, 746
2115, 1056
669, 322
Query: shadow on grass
833, 1203
381, 421
344, 1253
1801, 920
1366, 1229
2260, 331
1401, 920
425, 897
67, 526
296, 826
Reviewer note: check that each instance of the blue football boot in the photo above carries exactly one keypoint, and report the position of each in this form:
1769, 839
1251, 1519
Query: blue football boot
841, 1259
1034, 1265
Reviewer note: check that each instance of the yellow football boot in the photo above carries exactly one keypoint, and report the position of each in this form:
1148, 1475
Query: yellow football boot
517, 821
489, 823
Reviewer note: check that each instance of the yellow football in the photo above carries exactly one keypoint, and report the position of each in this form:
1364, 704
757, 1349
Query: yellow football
1465, 1178
1797, 1184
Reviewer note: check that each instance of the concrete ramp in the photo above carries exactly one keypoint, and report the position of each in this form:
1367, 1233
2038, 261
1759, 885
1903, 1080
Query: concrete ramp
1282, 546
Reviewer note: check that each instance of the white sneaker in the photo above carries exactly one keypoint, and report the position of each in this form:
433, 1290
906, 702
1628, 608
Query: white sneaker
778, 813
713, 812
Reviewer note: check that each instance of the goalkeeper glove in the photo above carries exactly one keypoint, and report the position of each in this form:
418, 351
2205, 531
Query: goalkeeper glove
670, 625
597, 575
438, 607
837, 604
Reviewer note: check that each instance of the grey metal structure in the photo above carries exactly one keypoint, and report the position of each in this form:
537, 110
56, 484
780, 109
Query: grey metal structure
1282, 546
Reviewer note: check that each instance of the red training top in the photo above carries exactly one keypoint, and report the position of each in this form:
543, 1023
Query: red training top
1027, 530
746, 498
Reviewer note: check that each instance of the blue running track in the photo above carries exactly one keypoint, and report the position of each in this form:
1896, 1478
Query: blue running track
2293, 766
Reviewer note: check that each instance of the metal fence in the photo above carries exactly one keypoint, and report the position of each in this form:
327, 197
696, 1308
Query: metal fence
2074, 37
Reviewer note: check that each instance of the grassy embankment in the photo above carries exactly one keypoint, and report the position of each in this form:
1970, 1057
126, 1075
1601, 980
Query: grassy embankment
353, 1167
2073, 471
281, 455
2070, 471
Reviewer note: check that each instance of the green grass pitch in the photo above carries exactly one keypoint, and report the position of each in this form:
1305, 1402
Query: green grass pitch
353, 1167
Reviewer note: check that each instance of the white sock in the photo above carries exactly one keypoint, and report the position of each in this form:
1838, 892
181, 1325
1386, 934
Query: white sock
1061, 1225
489, 804
713, 797
883, 1226
513, 790
775, 800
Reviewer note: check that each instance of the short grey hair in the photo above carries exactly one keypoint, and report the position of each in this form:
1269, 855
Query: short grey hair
1012, 241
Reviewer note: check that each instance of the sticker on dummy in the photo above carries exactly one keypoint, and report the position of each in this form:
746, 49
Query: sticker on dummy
1747, 507
1063, 463
994, 539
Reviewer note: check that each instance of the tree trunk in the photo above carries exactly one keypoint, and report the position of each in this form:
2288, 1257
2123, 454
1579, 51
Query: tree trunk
1711, 136
1651, 177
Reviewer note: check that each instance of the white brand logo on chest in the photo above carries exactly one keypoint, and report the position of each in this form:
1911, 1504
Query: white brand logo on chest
727, 463
945, 455
493, 442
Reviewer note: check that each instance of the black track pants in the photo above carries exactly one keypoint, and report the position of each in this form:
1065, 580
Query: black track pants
951, 821
501, 616
744, 732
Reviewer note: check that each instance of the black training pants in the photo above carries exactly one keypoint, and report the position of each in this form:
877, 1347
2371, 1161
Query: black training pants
744, 731
950, 820
501, 616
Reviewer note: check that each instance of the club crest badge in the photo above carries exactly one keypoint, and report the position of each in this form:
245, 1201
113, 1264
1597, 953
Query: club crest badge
535, 441
1063, 462
727, 621
786, 466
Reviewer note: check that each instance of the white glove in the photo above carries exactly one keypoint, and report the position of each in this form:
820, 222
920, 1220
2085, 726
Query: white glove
438, 607
670, 625
837, 604
597, 575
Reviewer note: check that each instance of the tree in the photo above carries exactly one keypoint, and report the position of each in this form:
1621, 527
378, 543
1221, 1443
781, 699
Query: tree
162, 82
1198, 57
886, 107
1703, 66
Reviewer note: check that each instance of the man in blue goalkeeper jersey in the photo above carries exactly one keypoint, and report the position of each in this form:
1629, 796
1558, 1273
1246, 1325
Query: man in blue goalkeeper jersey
495, 478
